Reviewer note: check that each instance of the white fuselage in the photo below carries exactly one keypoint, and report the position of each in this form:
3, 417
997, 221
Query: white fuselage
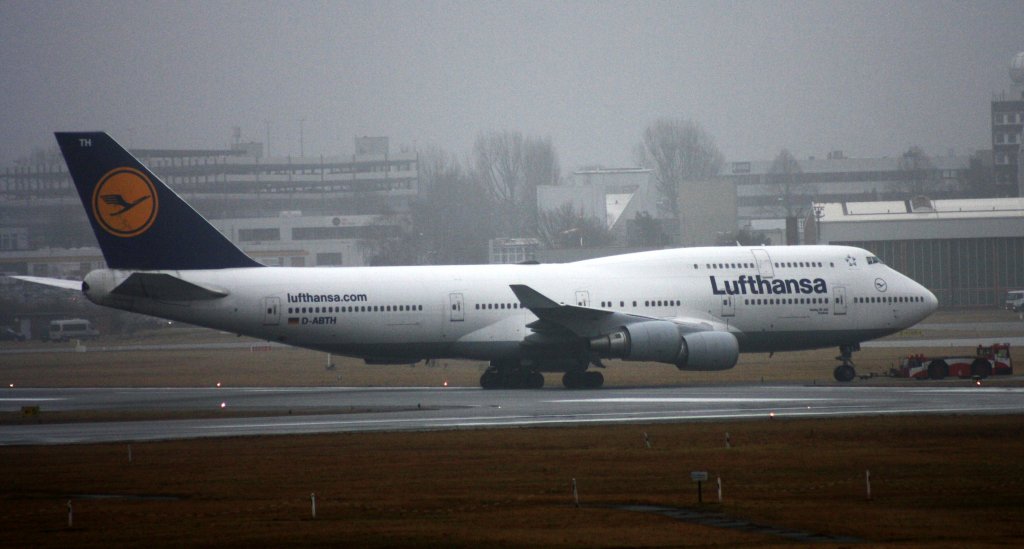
770, 298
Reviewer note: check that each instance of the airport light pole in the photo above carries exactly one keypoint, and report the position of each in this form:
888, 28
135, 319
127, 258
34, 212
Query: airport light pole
819, 213
267, 122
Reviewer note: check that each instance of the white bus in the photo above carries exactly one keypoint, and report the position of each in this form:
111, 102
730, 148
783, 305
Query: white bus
74, 328
1014, 301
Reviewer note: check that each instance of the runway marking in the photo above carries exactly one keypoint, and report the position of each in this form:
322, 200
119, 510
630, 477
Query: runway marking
350, 389
337, 422
543, 419
240, 388
718, 415
990, 390
695, 400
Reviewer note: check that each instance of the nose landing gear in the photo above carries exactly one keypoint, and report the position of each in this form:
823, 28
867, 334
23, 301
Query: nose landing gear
845, 372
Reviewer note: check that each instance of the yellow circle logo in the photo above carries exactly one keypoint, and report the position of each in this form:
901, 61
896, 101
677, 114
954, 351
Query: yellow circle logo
125, 202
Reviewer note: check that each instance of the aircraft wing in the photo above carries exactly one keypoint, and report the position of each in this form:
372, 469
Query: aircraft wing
556, 318
54, 282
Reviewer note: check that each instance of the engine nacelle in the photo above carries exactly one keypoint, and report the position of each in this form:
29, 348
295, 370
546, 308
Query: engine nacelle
709, 351
662, 341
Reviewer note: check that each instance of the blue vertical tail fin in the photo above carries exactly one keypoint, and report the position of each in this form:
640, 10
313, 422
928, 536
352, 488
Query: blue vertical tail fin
140, 223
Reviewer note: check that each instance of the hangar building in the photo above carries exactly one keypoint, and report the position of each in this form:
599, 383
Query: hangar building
969, 252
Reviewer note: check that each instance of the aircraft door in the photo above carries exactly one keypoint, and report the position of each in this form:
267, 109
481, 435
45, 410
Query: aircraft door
271, 311
582, 298
839, 300
764, 263
728, 305
456, 310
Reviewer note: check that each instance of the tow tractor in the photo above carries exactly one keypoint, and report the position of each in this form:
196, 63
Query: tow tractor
991, 360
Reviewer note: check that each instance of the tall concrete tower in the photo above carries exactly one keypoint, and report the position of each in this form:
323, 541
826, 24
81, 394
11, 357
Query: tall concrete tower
1007, 125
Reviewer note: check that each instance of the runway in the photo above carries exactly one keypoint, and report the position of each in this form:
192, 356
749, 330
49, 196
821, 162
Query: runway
340, 410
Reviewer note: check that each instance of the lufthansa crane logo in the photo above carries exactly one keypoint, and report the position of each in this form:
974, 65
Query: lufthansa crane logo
125, 202
880, 285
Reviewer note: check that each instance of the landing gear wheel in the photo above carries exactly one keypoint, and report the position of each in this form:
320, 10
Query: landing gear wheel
490, 379
583, 380
844, 373
510, 375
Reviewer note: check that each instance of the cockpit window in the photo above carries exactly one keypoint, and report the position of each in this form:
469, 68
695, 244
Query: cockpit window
872, 260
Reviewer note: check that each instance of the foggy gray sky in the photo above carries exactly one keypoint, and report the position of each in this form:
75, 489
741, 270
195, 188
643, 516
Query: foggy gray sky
869, 78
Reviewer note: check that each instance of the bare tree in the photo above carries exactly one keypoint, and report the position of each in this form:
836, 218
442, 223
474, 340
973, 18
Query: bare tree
791, 196
389, 240
454, 215
916, 171
565, 227
646, 230
511, 167
980, 179
745, 237
678, 150
449, 222
783, 176
540, 167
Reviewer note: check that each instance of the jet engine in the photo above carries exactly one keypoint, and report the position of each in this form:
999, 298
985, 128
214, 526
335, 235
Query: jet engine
662, 341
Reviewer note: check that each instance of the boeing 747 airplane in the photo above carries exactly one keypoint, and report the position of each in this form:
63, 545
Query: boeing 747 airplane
695, 308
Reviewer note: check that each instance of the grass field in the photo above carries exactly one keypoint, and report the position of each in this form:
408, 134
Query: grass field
936, 482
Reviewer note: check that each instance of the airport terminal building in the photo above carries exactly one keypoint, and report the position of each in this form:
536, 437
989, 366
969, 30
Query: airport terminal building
969, 252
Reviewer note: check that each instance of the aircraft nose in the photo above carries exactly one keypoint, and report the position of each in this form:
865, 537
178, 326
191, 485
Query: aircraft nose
931, 300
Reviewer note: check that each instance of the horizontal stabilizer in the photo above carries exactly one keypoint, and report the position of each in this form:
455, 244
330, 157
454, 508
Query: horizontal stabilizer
55, 282
164, 287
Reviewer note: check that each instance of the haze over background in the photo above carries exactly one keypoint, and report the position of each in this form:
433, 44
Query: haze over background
869, 78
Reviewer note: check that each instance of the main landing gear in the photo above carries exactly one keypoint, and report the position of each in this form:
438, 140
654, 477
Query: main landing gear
583, 380
845, 372
578, 377
512, 374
